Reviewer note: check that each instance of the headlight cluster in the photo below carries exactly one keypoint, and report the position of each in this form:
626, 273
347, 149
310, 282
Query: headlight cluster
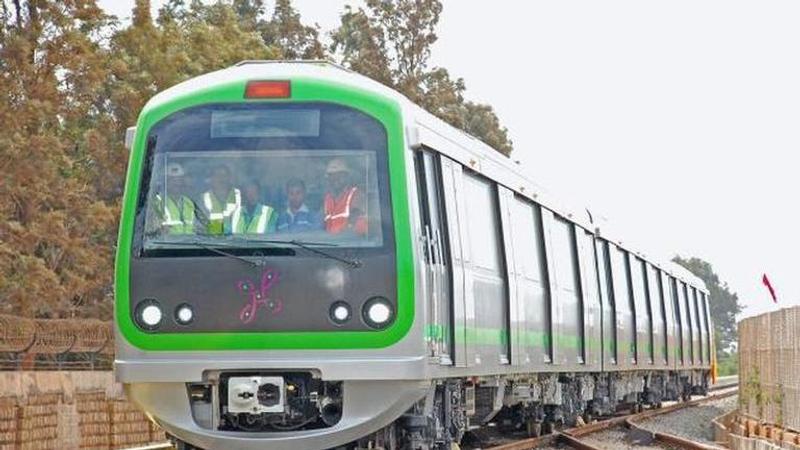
377, 312
149, 315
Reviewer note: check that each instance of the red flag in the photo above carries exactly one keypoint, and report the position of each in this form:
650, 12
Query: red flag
766, 282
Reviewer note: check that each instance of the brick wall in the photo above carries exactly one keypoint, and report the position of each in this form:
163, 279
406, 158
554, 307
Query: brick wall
769, 367
69, 410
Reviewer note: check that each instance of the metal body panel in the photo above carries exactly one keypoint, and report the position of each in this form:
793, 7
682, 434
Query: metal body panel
655, 300
531, 288
569, 338
625, 317
515, 307
697, 335
686, 330
608, 316
555, 321
592, 302
669, 318
644, 328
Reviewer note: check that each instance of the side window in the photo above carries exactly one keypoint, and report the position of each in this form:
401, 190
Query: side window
484, 227
528, 239
565, 253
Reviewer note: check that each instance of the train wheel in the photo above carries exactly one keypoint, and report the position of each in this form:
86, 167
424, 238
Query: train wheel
533, 428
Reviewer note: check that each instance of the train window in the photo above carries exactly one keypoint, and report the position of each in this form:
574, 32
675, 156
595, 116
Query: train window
484, 227
527, 219
314, 173
563, 234
570, 299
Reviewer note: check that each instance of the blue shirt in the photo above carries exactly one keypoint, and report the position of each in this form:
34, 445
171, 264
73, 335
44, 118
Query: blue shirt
299, 221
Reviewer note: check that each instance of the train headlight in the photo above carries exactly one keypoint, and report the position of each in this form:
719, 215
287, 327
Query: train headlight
148, 314
184, 314
378, 312
340, 312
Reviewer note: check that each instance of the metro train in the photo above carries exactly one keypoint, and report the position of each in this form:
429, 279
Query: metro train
308, 260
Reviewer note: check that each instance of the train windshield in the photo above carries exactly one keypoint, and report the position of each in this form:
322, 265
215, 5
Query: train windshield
258, 175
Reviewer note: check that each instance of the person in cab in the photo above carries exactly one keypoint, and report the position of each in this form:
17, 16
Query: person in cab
297, 217
344, 204
174, 210
255, 217
222, 202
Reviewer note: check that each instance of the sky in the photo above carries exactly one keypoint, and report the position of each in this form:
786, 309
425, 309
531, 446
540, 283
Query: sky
678, 122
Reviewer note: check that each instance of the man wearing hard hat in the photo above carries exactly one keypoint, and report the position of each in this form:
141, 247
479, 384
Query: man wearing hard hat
343, 205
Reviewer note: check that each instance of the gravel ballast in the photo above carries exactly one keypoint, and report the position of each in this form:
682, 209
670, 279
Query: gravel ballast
694, 422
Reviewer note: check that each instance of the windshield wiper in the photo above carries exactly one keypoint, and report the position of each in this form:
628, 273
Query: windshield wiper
310, 246
211, 248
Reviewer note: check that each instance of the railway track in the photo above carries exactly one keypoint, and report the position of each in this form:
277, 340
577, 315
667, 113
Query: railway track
579, 438
575, 437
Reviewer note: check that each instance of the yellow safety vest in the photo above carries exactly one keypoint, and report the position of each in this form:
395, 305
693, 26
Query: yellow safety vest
177, 216
223, 218
258, 223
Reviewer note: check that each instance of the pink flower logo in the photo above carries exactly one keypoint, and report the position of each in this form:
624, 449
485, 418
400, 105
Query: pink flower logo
259, 297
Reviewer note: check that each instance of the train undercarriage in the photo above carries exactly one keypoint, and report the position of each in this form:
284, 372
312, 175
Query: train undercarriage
453, 410
534, 405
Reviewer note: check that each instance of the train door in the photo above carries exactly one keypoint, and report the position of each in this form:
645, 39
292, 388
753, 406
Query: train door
488, 287
436, 248
463, 305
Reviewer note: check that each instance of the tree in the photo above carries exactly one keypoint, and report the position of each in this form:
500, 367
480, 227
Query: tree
724, 303
56, 235
287, 33
390, 42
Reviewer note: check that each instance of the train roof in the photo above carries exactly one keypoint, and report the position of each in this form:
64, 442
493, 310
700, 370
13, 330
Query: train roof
426, 130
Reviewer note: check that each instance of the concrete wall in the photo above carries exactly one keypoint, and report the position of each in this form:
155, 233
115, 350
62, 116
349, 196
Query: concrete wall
69, 410
769, 367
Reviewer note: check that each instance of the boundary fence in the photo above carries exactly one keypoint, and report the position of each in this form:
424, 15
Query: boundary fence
55, 344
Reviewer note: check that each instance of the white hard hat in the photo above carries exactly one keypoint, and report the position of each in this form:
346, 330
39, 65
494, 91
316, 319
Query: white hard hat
337, 165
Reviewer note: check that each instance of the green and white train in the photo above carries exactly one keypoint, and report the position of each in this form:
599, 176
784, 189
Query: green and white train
308, 260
